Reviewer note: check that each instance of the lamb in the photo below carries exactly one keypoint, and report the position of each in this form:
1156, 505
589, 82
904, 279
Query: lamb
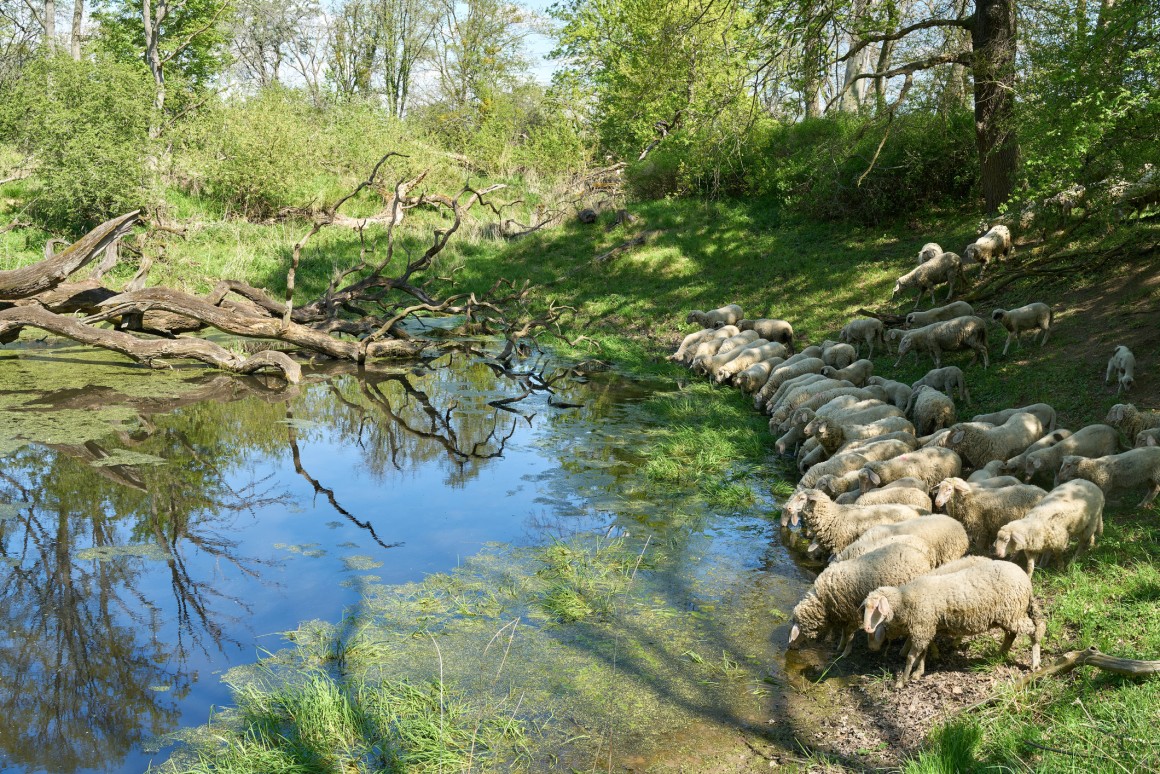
726, 352
839, 355
833, 436
1032, 317
978, 444
836, 526
730, 314
1131, 421
782, 374
856, 373
750, 355
930, 410
946, 380
1123, 365
956, 334
864, 331
983, 510
928, 275
752, 378
929, 466
770, 330
992, 469
1045, 413
972, 599
835, 599
928, 251
939, 314
989, 247
946, 538
1117, 471
1073, 510
1091, 441
905, 491
899, 393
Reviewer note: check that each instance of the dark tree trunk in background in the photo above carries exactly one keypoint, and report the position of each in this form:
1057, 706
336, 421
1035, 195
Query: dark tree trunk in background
993, 41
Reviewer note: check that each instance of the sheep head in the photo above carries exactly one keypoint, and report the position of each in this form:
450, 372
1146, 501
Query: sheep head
809, 619
997, 315
693, 316
1117, 413
876, 611
1010, 539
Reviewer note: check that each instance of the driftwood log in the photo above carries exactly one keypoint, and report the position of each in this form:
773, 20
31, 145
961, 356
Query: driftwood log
1092, 656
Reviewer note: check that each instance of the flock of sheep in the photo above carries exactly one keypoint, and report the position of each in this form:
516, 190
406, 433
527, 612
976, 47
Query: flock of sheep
878, 458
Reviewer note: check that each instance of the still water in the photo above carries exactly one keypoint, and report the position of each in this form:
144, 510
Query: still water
160, 528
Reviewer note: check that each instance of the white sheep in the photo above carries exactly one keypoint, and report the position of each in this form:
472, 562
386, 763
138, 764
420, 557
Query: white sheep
815, 400
1045, 413
939, 314
867, 330
899, 393
942, 269
729, 314
989, 247
948, 379
751, 355
856, 373
1072, 511
992, 469
835, 526
711, 346
833, 436
927, 465
783, 373
692, 340
979, 444
1122, 365
959, 333
1090, 441
794, 395
930, 410
1032, 317
946, 538
1129, 469
928, 251
768, 400
973, 599
770, 330
983, 508
905, 491
732, 348
1148, 438
838, 355
751, 379
1131, 421
834, 601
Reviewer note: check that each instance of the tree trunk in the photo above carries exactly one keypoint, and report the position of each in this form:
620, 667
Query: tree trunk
151, 22
50, 22
993, 40
75, 35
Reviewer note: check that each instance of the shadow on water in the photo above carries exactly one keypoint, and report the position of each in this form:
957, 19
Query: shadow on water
154, 530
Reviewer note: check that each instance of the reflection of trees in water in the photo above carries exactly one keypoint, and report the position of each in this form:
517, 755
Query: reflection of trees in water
92, 638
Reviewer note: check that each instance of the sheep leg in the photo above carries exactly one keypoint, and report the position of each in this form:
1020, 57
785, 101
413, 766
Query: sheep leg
1155, 490
1046, 333
1008, 641
1007, 345
847, 642
1030, 564
911, 658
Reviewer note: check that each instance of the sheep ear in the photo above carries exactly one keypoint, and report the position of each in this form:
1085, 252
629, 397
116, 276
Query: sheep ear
957, 436
1019, 542
1151, 440
875, 479
794, 634
878, 614
1037, 463
960, 486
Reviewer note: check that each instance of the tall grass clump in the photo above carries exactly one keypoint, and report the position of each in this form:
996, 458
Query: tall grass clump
582, 581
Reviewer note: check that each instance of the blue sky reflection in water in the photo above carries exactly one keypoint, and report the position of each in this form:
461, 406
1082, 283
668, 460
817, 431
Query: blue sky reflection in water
140, 564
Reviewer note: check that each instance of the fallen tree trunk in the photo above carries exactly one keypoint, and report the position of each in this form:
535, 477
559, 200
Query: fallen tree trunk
39, 277
1091, 656
150, 352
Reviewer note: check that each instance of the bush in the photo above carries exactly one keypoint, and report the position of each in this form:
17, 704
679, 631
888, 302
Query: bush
86, 125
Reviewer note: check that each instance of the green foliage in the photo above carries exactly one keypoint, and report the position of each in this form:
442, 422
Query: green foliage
87, 125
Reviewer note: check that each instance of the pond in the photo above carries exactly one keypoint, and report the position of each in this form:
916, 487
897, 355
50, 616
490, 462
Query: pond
160, 531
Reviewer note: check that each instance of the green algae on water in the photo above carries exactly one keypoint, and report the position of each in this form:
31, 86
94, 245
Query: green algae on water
149, 551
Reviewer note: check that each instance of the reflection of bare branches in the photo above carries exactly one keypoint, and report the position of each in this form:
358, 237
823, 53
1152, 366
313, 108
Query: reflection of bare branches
292, 438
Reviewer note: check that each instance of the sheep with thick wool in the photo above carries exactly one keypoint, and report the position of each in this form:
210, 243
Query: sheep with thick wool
1131, 421
1090, 441
856, 373
833, 436
1127, 470
869, 331
946, 538
930, 466
993, 469
730, 314
928, 251
940, 270
898, 392
989, 247
834, 526
1044, 411
751, 355
1074, 510
904, 491
788, 370
691, 344
973, 599
1032, 317
750, 379
715, 345
846, 462
837, 355
1018, 463
984, 509
814, 400
939, 314
979, 444
949, 336
1122, 365
728, 350
948, 379
770, 330
930, 410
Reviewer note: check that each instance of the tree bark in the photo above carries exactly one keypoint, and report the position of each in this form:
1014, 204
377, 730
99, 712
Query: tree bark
50, 22
75, 34
39, 277
993, 38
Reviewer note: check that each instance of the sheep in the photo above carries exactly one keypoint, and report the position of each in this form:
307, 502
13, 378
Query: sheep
773, 398
1074, 509
852, 461
839, 355
1131, 421
1017, 463
833, 436
978, 444
996, 242
789, 441
1117, 471
752, 378
814, 400
797, 394
1091, 441
939, 314
945, 536
927, 465
693, 339
928, 251
835, 599
905, 491
836, 486
863, 331
730, 314
726, 353
782, 374
899, 393
959, 333
856, 373
1122, 364
836, 526
972, 599
983, 509
930, 410
928, 275
770, 330
947, 380
894, 336
750, 355
992, 469
1032, 317
934, 439
1148, 437
710, 346
857, 413
1045, 413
